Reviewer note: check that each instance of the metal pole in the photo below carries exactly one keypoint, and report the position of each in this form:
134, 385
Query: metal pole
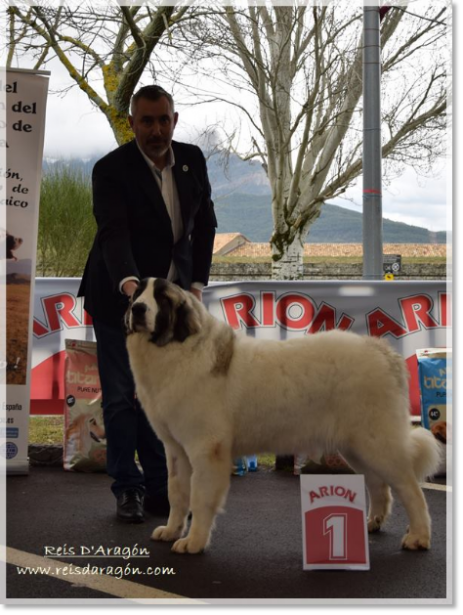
372, 195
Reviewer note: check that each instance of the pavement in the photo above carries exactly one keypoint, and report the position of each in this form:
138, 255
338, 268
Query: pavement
255, 556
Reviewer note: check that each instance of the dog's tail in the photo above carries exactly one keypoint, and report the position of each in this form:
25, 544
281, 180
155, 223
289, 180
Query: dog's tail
426, 453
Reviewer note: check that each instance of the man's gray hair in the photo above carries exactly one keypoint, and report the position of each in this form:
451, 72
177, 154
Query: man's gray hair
151, 92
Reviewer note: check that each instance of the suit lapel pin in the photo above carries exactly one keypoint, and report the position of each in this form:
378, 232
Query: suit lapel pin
185, 168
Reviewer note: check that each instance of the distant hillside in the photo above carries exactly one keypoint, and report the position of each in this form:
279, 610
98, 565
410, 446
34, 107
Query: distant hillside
80, 165
251, 215
242, 199
236, 176
227, 174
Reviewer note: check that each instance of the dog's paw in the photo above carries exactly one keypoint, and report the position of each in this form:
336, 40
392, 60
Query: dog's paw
188, 545
374, 524
163, 532
416, 542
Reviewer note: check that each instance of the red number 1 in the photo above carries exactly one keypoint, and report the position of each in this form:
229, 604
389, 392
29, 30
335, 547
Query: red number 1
336, 526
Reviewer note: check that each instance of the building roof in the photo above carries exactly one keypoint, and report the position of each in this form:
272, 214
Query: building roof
227, 242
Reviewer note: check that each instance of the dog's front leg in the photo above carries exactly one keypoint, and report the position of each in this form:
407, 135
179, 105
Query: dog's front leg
179, 477
209, 486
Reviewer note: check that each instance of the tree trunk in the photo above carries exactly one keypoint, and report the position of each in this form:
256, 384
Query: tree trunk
119, 125
288, 240
287, 257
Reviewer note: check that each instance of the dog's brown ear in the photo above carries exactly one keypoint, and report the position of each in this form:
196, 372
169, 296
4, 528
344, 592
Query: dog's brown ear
186, 322
176, 320
163, 326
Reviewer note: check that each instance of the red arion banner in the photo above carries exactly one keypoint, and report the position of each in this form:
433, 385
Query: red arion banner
410, 315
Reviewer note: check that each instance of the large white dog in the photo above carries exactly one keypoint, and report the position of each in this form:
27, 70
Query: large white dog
212, 395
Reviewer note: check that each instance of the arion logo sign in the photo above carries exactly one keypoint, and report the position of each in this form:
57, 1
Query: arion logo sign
292, 311
62, 310
297, 311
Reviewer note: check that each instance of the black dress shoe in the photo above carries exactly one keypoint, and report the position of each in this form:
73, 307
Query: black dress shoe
130, 506
158, 506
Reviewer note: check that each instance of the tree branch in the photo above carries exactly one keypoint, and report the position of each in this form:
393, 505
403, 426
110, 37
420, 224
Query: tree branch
140, 43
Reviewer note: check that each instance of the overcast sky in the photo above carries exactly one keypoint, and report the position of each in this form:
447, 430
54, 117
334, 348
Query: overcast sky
75, 128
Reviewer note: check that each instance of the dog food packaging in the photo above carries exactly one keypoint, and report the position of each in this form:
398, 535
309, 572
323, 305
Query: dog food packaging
433, 364
434, 370
84, 434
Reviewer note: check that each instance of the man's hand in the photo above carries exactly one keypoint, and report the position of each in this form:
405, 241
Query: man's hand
197, 293
129, 288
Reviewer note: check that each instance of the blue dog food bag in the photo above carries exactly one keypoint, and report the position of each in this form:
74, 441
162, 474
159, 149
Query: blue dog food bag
434, 370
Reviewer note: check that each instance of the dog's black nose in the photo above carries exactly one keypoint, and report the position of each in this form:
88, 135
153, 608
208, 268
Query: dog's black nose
138, 309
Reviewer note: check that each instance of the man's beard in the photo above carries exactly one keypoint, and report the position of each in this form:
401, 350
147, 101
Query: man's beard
157, 149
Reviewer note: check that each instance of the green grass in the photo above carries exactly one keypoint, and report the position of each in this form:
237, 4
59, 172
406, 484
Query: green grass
46, 429
66, 223
266, 460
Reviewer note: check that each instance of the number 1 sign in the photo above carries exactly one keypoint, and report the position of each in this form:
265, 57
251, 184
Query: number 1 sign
334, 527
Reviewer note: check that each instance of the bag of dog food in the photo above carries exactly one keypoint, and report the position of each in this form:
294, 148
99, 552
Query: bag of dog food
434, 371
84, 434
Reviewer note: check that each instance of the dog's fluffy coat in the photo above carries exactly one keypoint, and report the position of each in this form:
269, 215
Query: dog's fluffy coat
211, 395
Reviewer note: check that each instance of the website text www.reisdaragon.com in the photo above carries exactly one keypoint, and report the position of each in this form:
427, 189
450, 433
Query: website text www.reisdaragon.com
119, 572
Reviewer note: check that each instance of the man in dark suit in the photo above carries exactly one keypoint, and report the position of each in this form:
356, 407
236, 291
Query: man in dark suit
155, 218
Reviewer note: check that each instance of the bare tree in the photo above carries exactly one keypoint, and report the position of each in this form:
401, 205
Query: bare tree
293, 72
297, 77
105, 48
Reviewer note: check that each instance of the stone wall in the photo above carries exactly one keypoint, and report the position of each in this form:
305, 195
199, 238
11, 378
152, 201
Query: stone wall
225, 272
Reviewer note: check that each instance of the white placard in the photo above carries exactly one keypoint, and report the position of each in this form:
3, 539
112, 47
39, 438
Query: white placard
334, 526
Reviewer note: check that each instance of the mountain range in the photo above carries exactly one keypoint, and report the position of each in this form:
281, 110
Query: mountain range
242, 198
251, 216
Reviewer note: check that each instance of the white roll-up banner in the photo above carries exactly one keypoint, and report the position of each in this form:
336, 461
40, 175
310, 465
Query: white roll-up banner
23, 128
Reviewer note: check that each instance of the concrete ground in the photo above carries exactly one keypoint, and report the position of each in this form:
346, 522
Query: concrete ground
255, 556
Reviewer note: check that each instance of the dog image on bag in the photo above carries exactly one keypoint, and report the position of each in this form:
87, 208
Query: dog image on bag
212, 395
83, 432
9, 244
439, 431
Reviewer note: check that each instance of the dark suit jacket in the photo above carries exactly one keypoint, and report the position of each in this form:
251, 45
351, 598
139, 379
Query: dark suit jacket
134, 236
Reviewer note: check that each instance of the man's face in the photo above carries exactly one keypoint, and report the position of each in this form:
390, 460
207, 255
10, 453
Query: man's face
153, 124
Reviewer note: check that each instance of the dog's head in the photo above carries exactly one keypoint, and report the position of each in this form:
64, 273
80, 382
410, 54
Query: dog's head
12, 243
95, 430
164, 311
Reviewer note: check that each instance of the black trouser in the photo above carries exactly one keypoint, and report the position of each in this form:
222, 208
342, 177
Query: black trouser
126, 425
